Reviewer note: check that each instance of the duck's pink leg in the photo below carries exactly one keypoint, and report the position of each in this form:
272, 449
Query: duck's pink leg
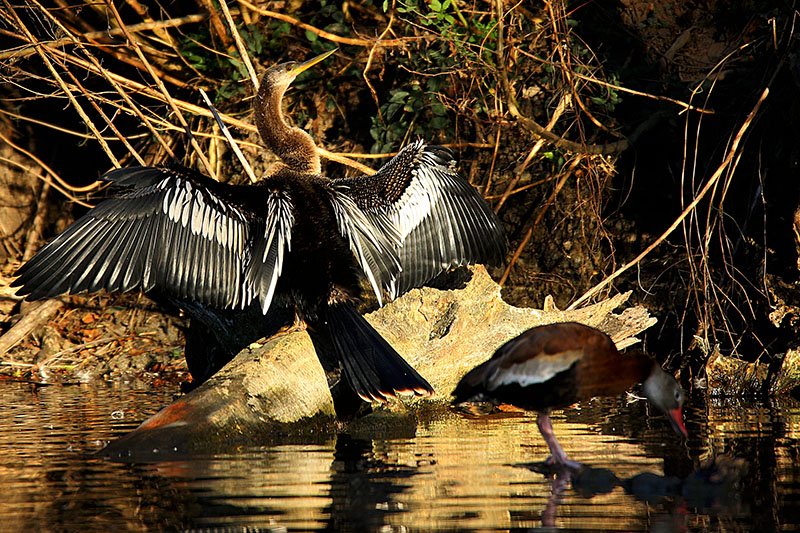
557, 454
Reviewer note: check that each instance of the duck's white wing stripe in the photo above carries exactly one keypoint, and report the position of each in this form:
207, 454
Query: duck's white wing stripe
532, 371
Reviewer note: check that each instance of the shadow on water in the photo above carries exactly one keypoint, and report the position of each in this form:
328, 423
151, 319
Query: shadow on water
737, 472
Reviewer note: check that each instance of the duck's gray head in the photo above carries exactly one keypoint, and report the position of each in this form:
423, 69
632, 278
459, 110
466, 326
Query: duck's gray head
666, 394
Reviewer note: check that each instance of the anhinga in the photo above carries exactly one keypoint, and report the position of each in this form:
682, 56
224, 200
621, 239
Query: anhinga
295, 240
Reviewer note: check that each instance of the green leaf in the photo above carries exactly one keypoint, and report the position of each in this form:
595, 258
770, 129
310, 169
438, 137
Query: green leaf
398, 96
434, 84
311, 36
438, 109
391, 111
438, 123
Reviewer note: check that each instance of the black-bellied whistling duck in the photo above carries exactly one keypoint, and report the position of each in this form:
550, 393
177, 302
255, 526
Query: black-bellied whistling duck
294, 240
553, 366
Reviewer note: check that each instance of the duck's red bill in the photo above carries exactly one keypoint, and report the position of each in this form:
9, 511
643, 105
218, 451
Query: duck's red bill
675, 417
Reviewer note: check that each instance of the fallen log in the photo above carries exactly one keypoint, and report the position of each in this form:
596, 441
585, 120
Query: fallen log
280, 388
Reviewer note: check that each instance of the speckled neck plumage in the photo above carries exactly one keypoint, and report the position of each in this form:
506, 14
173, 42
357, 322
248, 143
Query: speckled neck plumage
294, 146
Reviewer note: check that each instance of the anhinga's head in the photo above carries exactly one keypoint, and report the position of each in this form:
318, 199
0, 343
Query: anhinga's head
283, 74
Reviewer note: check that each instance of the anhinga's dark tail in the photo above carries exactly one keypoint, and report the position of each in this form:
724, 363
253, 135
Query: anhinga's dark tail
374, 370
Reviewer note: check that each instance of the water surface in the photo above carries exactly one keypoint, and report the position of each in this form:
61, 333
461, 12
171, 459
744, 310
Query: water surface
449, 473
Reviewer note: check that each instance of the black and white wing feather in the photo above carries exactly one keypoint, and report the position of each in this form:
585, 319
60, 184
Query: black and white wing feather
269, 251
441, 220
167, 230
373, 240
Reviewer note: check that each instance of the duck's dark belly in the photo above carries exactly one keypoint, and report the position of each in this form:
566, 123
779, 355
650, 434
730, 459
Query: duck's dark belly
557, 392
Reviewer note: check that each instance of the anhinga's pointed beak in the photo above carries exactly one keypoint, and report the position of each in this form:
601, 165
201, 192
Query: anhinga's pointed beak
305, 65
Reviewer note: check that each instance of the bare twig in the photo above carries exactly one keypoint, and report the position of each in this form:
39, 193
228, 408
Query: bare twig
28, 35
231, 142
245, 57
161, 87
322, 33
37, 313
339, 158
19, 53
684, 105
368, 65
116, 86
62, 185
217, 27
192, 108
562, 106
34, 235
550, 201
729, 158
533, 126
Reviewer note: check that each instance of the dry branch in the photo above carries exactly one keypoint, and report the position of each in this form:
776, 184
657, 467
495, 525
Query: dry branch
132, 42
37, 313
322, 33
245, 57
20, 53
733, 151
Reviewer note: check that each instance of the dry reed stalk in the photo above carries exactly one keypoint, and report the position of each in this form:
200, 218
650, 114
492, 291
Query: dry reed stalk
724, 166
245, 57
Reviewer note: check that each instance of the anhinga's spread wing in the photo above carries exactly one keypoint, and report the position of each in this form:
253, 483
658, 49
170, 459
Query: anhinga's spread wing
441, 220
180, 234
275, 232
373, 240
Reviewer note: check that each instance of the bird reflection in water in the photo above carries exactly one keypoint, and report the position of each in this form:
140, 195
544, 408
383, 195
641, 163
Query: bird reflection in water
714, 488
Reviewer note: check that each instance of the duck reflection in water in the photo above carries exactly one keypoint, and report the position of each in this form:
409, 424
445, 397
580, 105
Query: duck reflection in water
714, 488
556, 365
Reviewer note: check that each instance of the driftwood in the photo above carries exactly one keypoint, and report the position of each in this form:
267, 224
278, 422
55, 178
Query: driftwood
279, 387
37, 313
730, 376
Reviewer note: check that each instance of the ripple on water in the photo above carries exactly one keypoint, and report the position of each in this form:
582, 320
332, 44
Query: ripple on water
451, 473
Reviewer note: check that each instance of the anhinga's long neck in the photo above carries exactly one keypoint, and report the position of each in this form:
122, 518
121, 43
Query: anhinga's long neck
294, 146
